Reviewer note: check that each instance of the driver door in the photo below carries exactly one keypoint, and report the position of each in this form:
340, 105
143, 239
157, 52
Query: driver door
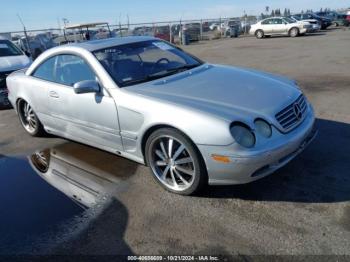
90, 118
279, 27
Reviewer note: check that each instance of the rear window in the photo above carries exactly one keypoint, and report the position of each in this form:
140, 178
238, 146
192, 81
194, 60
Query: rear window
8, 49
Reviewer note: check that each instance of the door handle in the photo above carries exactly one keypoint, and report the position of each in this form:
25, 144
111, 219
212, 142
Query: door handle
53, 94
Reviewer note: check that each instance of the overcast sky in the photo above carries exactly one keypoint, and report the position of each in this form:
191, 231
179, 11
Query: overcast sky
38, 14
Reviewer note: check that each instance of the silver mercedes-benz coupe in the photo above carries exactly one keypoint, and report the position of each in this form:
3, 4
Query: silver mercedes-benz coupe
191, 122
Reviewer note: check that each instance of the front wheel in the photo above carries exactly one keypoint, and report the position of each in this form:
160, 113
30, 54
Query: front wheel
29, 119
175, 162
294, 32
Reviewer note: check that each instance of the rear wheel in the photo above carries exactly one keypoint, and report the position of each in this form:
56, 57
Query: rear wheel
294, 32
259, 34
29, 119
175, 162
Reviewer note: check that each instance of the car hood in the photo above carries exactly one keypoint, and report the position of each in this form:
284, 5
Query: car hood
11, 63
224, 91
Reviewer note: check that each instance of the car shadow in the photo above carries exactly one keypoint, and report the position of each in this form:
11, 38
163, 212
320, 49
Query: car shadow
314, 34
105, 235
4, 108
319, 175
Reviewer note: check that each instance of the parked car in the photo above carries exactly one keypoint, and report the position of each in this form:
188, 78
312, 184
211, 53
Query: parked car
348, 15
214, 26
163, 32
191, 122
231, 28
336, 18
278, 26
143, 31
315, 25
36, 45
323, 21
193, 31
11, 59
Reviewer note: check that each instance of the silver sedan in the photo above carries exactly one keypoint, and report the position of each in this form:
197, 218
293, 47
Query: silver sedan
191, 122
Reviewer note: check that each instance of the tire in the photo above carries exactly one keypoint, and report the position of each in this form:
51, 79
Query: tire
29, 120
184, 172
259, 34
336, 24
294, 32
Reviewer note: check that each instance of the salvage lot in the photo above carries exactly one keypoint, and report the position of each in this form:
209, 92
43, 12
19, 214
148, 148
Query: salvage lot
303, 208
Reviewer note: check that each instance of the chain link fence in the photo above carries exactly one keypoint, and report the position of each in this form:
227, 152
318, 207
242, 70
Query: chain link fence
34, 42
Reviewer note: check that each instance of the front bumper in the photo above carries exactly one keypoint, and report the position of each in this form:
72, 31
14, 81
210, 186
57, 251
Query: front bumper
245, 168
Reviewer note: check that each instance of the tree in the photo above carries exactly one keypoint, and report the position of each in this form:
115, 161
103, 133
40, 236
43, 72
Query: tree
285, 13
273, 13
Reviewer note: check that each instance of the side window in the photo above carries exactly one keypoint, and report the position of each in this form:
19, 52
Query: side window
71, 69
266, 22
45, 70
278, 21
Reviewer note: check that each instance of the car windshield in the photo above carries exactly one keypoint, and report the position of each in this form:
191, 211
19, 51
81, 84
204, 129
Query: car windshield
8, 49
140, 62
289, 20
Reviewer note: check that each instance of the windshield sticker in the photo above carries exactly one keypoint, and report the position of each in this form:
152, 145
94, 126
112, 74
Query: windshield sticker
163, 46
4, 46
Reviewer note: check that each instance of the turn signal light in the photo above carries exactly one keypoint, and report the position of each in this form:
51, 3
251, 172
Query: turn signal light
222, 159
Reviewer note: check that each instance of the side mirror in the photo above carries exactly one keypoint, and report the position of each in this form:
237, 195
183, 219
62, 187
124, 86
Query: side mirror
87, 86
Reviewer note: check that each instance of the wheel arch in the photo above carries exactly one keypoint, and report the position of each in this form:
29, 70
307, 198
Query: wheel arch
154, 128
257, 30
294, 27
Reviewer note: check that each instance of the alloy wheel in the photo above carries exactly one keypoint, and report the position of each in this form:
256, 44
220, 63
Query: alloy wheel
260, 34
294, 32
28, 118
172, 163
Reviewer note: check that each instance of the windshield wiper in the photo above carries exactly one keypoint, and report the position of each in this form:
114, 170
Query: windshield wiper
172, 71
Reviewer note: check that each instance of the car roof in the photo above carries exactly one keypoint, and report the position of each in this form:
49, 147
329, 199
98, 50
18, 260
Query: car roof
109, 42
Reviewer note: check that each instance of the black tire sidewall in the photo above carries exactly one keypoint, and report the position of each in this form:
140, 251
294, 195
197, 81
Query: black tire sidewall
256, 34
293, 29
201, 177
39, 130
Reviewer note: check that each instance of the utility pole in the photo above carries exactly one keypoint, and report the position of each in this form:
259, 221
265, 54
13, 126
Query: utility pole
65, 22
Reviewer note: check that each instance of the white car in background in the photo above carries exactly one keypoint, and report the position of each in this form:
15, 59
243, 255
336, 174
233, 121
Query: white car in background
11, 59
278, 26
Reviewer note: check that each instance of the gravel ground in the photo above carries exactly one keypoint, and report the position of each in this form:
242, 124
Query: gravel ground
302, 209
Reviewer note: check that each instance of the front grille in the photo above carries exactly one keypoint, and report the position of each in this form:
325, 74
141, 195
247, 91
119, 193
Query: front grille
293, 114
3, 76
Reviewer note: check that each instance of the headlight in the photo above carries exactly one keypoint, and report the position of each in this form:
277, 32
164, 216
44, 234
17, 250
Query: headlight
242, 134
263, 128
